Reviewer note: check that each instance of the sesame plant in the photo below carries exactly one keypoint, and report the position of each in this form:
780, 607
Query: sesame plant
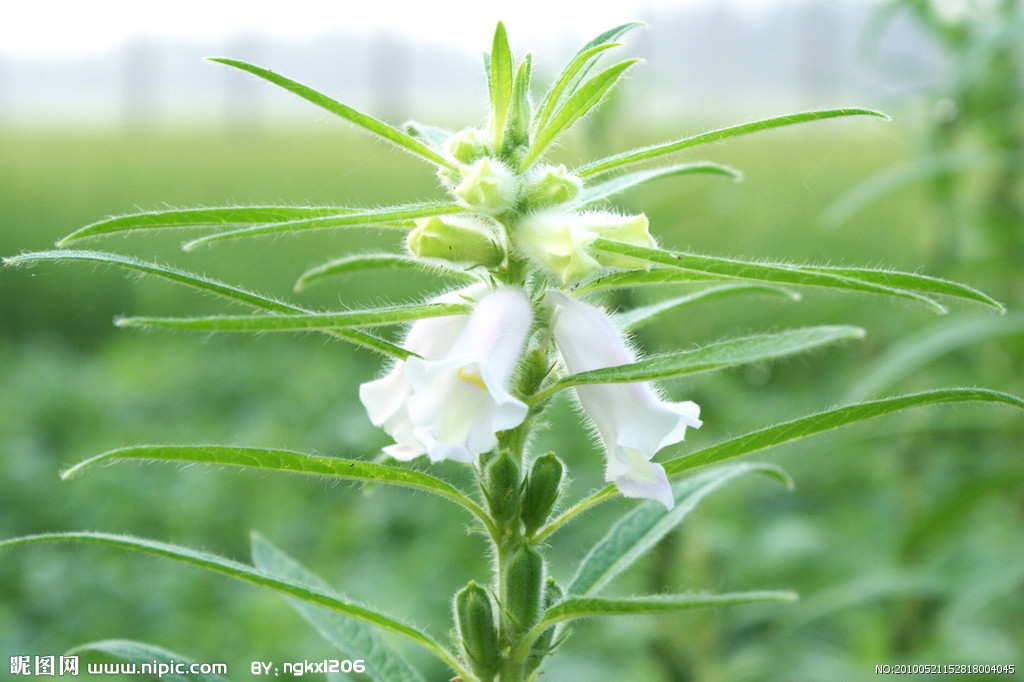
536, 247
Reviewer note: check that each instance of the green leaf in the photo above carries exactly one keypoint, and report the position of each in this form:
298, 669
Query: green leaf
300, 322
379, 128
518, 127
583, 100
586, 607
398, 217
865, 280
577, 69
828, 420
640, 317
658, 150
140, 652
634, 534
205, 284
371, 261
791, 431
501, 85
203, 217
627, 279
285, 461
355, 639
729, 353
621, 183
249, 574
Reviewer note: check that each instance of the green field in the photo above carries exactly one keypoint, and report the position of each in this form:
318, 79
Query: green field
904, 537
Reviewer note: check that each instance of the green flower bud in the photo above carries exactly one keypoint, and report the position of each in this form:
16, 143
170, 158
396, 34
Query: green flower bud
501, 488
455, 239
542, 646
558, 241
550, 185
477, 630
541, 492
524, 580
487, 185
466, 146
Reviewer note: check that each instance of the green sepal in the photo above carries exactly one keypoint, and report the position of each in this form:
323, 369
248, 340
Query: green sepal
541, 492
477, 630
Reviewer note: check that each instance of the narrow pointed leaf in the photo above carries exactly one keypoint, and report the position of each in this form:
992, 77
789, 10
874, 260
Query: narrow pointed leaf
379, 128
563, 86
644, 315
140, 652
923, 284
621, 183
205, 284
399, 217
285, 461
586, 607
299, 322
520, 112
578, 68
644, 526
588, 96
792, 431
355, 639
628, 279
729, 353
370, 261
775, 273
203, 217
828, 420
501, 85
659, 150
249, 574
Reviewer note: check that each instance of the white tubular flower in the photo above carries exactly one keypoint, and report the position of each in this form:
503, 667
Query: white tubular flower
559, 240
451, 402
633, 422
487, 185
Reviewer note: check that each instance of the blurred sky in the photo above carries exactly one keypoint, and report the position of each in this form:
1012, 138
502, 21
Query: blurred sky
65, 28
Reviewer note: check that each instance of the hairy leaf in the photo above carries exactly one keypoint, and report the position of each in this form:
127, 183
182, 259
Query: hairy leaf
371, 261
621, 183
659, 150
379, 128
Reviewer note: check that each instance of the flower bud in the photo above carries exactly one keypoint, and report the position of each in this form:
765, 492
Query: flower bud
501, 488
455, 239
559, 241
542, 646
479, 635
550, 185
541, 492
487, 185
524, 579
466, 146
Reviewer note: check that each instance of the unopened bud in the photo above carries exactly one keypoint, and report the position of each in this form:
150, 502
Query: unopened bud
477, 630
524, 578
487, 185
541, 492
501, 488
466, 146
551, 185
455, 239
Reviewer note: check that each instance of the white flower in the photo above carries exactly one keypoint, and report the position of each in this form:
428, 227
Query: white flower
451, 402
633, 422
559, 240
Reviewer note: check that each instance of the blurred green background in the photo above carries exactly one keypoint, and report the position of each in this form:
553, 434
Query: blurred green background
905, 537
